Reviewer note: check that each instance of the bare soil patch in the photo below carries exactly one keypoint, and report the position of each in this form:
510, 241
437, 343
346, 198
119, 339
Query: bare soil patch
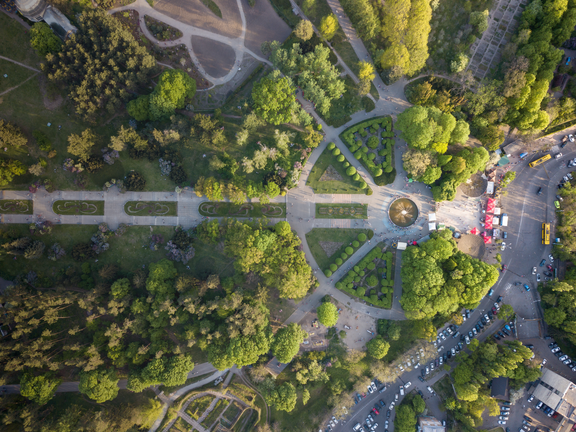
215, 57
475, 188
193, 12
472, 245
330, 174
263, 24
52, 100
330, 247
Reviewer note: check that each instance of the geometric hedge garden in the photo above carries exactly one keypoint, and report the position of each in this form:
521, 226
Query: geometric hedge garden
372, 143
372, 279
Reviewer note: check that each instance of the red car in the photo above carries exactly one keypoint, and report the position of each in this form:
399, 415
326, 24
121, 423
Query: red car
549, 267
504, 267
375, 411
495, 311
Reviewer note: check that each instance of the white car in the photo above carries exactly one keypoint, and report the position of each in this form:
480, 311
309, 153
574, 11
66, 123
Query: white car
501, 422
558, 156
467, 339
551, 258
571, 138
504, 408
373, 386
401, 368
463, 317
544, 361
408, 384
430, 390
534, 270
531, 398
503, 247
370, 389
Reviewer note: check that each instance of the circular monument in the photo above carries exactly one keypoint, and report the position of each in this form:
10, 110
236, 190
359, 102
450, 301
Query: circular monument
403, 212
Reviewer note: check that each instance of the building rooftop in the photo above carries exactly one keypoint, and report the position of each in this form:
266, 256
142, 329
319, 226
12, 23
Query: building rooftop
500, 388
558, 393
430, 424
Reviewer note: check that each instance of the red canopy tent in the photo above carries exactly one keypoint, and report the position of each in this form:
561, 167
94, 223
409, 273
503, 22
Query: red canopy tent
487, 240
489, 220
474, 231
490, 206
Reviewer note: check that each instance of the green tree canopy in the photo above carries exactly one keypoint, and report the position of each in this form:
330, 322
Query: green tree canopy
377, 347
43, 39
99, 385
287, 342
39, 389
174, 88
274, 98
327, 314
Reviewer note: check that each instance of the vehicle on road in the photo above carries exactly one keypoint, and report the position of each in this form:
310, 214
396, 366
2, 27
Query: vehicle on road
540, 161
545, 236
542, 262
571, 138
538, 278
430, 390
534, 270
558, 156
504, 267
491, 292
501, 422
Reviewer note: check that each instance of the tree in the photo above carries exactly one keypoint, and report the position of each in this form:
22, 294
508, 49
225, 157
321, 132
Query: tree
11, 135
508, 178
274, 98
174, 88
419, 404
120, 288
329, 26
417, 33
135, 181
304, 30
363, 16
366, 71
377, 347
459, 63
405, 420
125, 137
36, 169
327, 314
43, 39
479, 20
99, 385
305, 396
100, 79
283, 398
139, 108
39, 389
287, 342
81, 145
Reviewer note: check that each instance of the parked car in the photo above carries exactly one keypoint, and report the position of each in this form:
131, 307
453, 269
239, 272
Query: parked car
538, 277
539, 192
534, 269
526, 287
539, 405
551, 258
531, 398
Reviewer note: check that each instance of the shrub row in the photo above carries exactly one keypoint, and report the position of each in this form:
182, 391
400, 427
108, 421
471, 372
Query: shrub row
383, 173
347, 253
354, 276
350, 170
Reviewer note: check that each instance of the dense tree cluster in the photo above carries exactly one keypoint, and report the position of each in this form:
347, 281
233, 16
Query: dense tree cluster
439, 279
274, 98
566, 227
43, 39
474, 372
430, 133
319, 79
100, 78
558, 300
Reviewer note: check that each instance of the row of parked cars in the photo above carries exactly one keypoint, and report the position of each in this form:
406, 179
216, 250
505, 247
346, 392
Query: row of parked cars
562, 357
504, 413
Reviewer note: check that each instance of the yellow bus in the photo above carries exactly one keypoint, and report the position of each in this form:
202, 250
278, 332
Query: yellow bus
545, 234
539, 161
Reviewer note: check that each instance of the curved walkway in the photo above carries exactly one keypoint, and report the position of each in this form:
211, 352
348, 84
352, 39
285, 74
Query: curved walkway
188, 31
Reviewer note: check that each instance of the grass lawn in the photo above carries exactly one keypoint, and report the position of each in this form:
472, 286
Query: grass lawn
444, 388
16, 206
341, 211
246, 422
63, 207
242, 95
16, 43
16, 75
338, 235
230, 414
151, 208
284, 9
220, 406
227, 209
213, 7
341, 182
180, 425
198, 406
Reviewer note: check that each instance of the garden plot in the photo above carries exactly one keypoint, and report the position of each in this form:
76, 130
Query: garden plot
372, 279
372, 143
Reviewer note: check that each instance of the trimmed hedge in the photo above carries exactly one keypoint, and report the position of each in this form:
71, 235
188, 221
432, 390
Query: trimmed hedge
349, 251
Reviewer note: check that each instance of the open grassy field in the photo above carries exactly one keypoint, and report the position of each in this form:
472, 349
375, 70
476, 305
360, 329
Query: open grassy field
151, 208
345, 236
16, 74
62, 207
336, 183
341, 211
16, 206
16, 42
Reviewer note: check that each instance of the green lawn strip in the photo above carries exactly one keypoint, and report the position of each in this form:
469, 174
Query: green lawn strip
227, 209
16, 75
16, 43
230, 414
169, 390
374, 91
284, 9
16, 207
443, 387
151, 208
404, 343
379, 160
345, 185
180, 425
70, 207
216, 411
372, 267
346, 236
198, 406
213, 7
341, 211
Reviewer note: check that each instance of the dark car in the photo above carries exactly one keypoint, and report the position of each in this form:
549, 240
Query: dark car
460, 345
549, 274
501, 334
382, 403
420, 378
388, 414
542, 262
496, 337
444, 357
499, 300
539, 191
